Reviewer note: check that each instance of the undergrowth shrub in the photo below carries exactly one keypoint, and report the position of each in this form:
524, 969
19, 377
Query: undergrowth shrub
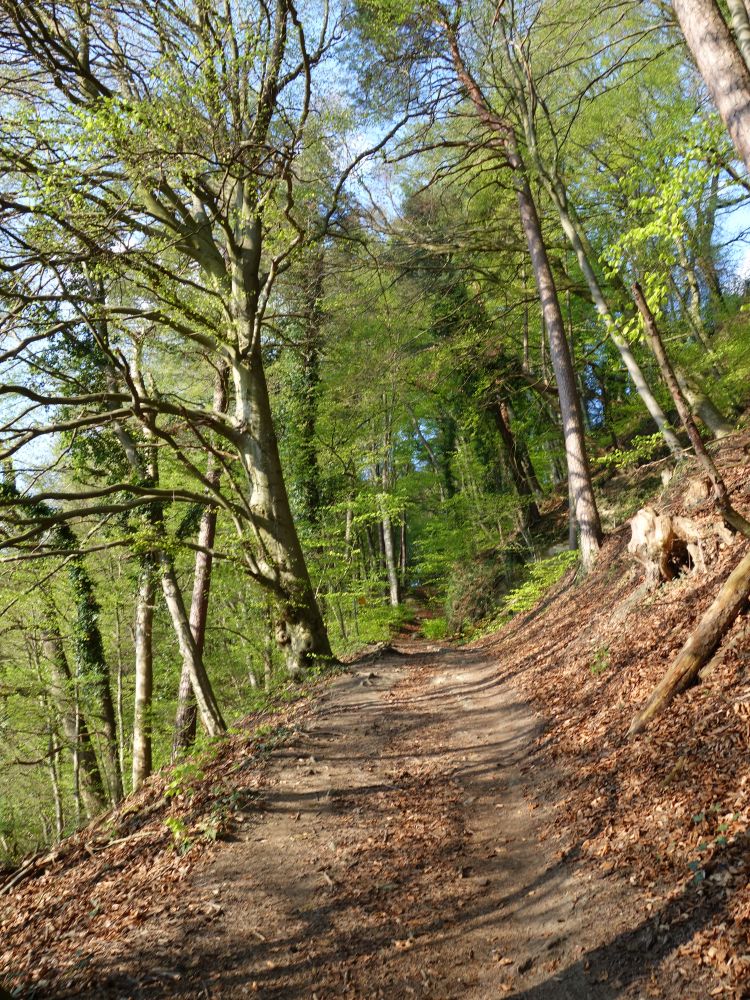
435, 628
642, 448
478, 585
538, 578
372, 620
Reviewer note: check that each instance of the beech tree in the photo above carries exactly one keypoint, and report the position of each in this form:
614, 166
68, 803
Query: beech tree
721, 64
181, 127
504, 138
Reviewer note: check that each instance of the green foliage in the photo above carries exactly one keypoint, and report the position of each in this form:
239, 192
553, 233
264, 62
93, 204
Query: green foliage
183, 777
479, 584
178, 828
538, 578
641, 449
599, 661
435, 628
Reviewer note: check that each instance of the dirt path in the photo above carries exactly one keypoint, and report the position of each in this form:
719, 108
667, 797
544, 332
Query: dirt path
395, 855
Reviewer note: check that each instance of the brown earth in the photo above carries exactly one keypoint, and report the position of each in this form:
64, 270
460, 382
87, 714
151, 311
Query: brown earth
437, 822
396, 856
395, 853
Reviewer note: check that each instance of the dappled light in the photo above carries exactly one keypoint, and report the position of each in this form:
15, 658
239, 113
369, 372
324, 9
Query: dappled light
374, 499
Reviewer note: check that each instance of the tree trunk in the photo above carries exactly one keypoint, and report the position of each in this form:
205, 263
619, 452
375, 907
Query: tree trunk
403, 555
144, 675
721, 65
432, 457
186, 716
693, 305
307, 472
73, 721
208, 709
119, 691
53, 740
193, 668
447, 451
572, 522
579, 374
53, 751
741, 25
579, 475
391, 563
529, 507
702, 405
91, 665
268, 648
730, 515
700, 646
525, 357
280, 563
706, 225
522, 453
571, 228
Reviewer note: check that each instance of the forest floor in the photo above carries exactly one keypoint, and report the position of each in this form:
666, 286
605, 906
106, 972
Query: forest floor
438, 821
396, 850
396, 855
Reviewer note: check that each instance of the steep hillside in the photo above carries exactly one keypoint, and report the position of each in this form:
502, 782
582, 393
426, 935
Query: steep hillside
669, 809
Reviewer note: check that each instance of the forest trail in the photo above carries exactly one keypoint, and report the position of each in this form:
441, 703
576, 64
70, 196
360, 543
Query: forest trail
394, 854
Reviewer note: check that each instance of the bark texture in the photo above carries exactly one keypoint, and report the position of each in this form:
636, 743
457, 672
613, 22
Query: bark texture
721, 65
278, 561
579, 474
741, 26
144, 675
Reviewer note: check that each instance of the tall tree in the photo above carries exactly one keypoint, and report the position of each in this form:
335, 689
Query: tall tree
204, 149
721, 65
504, 139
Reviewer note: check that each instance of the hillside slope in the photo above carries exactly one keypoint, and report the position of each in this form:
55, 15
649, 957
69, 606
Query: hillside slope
438, 822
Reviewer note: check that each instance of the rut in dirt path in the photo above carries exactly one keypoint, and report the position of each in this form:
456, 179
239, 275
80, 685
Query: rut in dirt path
394, 855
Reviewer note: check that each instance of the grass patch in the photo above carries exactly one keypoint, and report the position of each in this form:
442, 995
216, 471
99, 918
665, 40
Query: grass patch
435, 628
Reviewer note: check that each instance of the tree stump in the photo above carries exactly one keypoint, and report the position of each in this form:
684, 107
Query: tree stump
668, 545
664, 545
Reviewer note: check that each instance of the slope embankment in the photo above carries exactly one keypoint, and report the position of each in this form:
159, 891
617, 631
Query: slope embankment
439, 821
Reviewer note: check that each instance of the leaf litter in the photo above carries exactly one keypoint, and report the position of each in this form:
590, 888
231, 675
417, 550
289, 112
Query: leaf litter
664, 817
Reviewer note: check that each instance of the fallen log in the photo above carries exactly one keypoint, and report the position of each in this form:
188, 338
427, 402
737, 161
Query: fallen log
700, 646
